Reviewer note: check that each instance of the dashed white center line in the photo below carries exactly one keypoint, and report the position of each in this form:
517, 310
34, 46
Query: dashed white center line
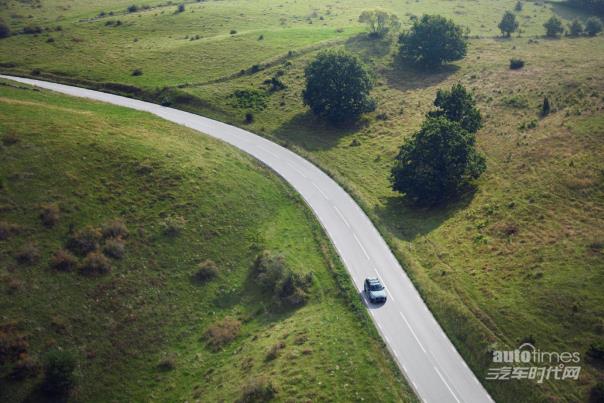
341, 216
413, 333
446, 384
320, 191
361, 245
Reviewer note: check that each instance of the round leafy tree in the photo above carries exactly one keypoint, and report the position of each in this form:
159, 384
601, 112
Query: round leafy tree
437, 162
593, 26
432, 41
337, 87
458, 104
553, 27
508, 24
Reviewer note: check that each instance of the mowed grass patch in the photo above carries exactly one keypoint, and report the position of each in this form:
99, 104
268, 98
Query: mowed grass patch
169, 199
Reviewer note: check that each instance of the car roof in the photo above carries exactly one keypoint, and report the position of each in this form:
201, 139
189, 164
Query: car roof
373, 280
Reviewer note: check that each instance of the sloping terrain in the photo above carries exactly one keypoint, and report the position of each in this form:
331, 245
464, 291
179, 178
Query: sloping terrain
166, 201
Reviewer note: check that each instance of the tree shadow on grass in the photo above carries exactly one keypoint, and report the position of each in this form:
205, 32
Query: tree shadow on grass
312, 134
406, 77
408, 221
369, 47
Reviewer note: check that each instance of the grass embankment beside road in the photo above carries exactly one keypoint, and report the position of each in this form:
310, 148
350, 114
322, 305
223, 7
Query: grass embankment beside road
139, 331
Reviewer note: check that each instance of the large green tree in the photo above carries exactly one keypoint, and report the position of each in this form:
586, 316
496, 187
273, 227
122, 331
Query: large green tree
379, 22
458, 105
437, 162
432, 41
337, 87
508, 23
593, 26
553, 27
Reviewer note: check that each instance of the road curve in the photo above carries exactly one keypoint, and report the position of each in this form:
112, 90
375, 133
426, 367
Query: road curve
425, 355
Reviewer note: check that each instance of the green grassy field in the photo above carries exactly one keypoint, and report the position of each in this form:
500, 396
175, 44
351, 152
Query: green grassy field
519, 258
99, 163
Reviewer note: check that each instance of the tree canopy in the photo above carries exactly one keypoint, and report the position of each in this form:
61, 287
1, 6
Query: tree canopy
458, 105
508, 23
379, 22
437, 162
337, 87
593, 26
553, 27
432, 41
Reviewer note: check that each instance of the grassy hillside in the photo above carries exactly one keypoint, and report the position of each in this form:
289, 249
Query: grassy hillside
519, 259
139, 331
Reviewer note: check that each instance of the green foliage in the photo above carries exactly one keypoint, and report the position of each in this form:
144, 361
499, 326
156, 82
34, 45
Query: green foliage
273, 275
553, 27
59, 368
432, 41
458, 105
4, 29
132, 8
545, 107
593, 26
589, 5
180, 8
508, 23
437, 162
337, 87
207, 271
516, 64
249, 99
575, 28
518, 7
258, 390
379, 22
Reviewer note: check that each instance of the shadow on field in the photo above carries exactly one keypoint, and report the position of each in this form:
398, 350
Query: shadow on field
369, 47
308, 132
406, 77
408, 222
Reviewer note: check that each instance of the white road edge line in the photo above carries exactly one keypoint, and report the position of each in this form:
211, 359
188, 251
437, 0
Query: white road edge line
361, 245
320, 191
413, 333
446, 384
341, 215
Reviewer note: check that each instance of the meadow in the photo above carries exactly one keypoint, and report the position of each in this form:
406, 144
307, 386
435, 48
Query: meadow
139, 331
518, 259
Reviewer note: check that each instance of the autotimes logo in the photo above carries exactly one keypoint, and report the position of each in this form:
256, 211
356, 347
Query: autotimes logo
528, 362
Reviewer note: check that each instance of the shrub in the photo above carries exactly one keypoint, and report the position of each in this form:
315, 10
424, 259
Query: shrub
114, 248
379, 22
132, 8
222, 333
508, 24
261, 37
95, 264
575, 28
59, 368
49, 214
50, 40
337, 87
518, 7
437, 162
32, 30
272, 275
62, 260
553, 27
10, 139
84, 241
137, 72
545, 107
207, 271
181, 8
25, 367
249, 117
167, 363
275, 84
249, 99
257, 390
233, 32
432, 41
596, 351
28, 254
516, 64
273, 352
596, 395
593, 26
4, 29
36, 72
173, 226
459, 106
115, 229
7, 230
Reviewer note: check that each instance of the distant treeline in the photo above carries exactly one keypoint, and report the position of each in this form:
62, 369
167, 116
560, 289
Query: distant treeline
591, 5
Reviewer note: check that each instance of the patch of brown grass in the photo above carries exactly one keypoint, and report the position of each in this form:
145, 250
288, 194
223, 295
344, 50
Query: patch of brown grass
95, 264
63, 260
49, 214
222, 333
28, 254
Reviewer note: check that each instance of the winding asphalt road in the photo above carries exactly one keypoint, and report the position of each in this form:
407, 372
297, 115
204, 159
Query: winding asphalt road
427, 358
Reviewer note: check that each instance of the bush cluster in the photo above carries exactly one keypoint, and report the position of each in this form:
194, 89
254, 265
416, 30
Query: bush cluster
207, 271
222, 333
273, 275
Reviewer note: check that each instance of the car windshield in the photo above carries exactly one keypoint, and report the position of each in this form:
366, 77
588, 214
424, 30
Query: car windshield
376, 287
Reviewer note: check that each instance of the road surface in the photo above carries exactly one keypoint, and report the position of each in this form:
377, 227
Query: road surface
427, 358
